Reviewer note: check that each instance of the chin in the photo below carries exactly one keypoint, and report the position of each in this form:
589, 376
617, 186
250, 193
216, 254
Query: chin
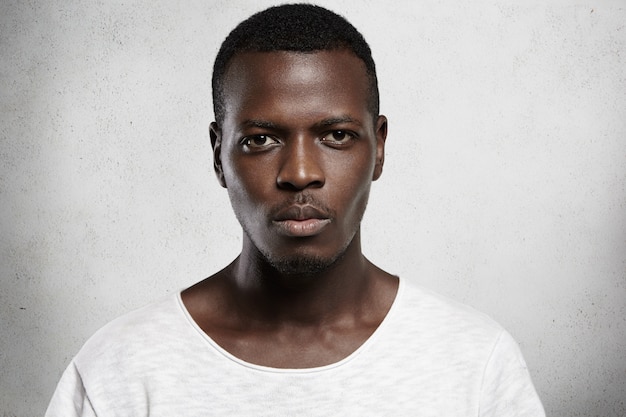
301, 265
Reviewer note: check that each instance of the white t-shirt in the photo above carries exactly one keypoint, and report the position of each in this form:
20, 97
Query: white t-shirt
429, 357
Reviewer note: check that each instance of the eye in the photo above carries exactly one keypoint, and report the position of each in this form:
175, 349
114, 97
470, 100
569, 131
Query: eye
257, 142
338, 138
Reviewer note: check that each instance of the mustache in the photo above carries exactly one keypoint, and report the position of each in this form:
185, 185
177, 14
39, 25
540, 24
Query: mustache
302, 206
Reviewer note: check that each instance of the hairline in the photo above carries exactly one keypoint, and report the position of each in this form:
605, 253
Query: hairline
218, 82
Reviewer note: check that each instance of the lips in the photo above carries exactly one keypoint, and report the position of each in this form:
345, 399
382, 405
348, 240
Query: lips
301, 221
298, 212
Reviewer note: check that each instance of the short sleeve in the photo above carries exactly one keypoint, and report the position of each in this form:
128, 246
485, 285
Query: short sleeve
507, 389
70, 398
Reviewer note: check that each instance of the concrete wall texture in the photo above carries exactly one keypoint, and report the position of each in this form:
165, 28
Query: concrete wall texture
504, 184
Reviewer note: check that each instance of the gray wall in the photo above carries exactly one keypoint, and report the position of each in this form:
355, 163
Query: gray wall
504, 185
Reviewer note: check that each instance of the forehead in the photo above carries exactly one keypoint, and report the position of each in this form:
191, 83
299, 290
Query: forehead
292, 82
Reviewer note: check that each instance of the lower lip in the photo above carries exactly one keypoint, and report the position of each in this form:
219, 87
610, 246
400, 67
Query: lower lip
302, 228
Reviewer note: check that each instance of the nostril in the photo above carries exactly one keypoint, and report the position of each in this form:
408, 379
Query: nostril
299, 182
300, 173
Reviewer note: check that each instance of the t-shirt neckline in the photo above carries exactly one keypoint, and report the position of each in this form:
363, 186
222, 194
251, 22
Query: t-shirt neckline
364, 346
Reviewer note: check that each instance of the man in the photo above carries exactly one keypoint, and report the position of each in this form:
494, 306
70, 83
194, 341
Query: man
301, 323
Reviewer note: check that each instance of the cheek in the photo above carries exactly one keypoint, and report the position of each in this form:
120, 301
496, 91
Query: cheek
355, 171
247, 185
352, 186
246, 203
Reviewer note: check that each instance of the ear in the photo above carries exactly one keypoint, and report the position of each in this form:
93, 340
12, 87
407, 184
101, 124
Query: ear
216, 144
381, 137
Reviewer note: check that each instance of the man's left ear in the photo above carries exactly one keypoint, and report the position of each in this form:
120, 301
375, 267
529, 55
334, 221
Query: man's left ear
381, 137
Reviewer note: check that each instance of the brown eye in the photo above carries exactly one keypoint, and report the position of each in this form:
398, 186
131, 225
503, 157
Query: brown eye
257, 142
338, 137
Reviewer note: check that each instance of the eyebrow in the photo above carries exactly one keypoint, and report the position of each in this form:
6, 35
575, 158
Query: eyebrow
266, 124
259, 123
338, 120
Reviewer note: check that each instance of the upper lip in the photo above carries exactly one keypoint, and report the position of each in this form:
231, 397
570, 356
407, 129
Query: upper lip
298, 212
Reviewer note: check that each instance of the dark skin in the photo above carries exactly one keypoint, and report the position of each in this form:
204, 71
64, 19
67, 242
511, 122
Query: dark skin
297, 151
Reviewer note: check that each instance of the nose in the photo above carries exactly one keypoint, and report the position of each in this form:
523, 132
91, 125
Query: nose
300, 167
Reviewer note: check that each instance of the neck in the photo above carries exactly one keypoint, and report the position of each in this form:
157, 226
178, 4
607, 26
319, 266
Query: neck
266, 294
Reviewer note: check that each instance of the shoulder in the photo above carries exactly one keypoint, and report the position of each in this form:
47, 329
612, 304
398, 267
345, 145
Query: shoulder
447, 347
429, 306
142, 332
140, 349
434, 324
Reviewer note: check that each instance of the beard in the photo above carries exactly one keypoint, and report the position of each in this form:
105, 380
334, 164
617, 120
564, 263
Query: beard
301, 266
298, 267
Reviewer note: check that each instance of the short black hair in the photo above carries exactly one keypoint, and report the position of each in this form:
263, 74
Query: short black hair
297, 28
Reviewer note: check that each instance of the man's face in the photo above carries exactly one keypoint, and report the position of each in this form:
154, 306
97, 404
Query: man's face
297, 151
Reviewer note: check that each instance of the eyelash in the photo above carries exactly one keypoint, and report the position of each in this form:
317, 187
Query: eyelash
347, 136
248, 139
345, 133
